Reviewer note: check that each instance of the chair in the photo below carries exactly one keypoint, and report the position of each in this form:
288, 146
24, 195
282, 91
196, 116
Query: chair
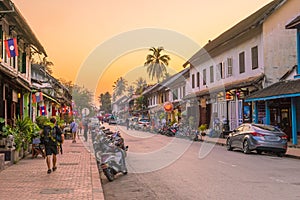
37, 148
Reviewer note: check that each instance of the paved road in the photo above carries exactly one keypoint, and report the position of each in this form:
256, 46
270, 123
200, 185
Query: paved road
167, 168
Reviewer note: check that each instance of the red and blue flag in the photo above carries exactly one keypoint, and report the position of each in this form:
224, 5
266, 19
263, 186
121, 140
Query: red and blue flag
11, 47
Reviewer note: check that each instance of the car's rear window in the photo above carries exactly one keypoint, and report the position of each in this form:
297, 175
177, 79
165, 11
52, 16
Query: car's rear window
267, 127
144, 120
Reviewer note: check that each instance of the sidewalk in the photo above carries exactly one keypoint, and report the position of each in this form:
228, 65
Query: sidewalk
292, 152
76, 177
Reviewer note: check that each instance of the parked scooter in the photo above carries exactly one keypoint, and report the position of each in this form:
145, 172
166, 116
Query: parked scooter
113, 162
110, 153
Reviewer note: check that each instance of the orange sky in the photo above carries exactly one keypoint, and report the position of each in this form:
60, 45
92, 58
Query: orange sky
94, 42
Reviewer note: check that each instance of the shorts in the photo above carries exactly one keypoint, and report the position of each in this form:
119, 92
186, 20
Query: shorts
50, 149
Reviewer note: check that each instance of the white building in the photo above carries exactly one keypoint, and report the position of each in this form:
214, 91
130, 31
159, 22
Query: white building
251, 55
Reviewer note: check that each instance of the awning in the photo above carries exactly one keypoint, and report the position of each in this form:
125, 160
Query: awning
251, 81
281, 89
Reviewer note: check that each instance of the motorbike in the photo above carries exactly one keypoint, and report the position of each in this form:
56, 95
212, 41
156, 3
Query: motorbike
110, 153
113, 162
172, 130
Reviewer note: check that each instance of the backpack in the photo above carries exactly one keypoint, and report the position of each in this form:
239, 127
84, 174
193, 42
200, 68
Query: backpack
49, 134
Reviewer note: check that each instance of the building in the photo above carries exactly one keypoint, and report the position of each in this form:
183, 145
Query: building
15, 65
251, 55
281, 100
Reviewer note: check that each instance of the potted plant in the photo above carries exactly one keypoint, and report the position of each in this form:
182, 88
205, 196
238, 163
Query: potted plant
202, 129
3, 134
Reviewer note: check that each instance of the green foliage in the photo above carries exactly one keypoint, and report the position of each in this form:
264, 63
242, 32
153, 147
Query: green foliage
41, 121
119, 86
202, 128
156, 63
105, 101
82, 97
162, 115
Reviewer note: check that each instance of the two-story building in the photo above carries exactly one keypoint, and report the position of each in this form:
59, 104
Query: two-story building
251, 55
17, 45
281, 100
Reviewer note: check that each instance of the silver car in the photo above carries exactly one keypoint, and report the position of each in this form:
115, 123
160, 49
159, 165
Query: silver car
258, 137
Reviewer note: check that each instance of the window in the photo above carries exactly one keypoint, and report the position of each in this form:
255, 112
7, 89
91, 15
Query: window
211, 74
221, 71
242, 62
204, 77
175, 94
218, 72
193, 80
183, 91
198, 79
229, 67
254, 56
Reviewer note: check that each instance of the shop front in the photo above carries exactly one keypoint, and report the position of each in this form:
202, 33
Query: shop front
279, 105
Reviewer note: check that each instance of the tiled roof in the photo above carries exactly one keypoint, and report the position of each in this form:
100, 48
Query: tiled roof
278, 89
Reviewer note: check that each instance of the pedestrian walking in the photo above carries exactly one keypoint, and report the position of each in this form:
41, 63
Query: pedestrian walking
85, 129
74, 129
127, 123
52, 135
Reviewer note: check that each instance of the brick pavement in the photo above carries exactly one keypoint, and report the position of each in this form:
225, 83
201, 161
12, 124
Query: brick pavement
76, 176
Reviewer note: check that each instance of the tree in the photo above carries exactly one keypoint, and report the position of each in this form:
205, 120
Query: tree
82, 98
156, 63
119, 87
105, 102
140, 85
45, 63
130, 90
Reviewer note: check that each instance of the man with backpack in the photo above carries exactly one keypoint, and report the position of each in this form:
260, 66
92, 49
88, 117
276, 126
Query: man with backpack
52, 135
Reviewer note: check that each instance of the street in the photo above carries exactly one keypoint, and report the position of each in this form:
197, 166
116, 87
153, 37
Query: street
197, 170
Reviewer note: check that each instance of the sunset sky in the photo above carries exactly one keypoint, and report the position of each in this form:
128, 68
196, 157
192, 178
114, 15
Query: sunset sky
94, 42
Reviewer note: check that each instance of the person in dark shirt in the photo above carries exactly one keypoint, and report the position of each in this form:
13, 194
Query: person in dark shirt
50, 133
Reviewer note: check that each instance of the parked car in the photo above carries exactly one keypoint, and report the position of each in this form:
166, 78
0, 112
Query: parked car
112, 120
143, 123
258, 137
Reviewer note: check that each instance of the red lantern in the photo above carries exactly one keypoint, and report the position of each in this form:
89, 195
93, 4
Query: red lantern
168, 106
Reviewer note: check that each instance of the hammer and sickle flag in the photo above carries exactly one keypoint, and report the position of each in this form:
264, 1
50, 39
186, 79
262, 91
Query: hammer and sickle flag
11, 47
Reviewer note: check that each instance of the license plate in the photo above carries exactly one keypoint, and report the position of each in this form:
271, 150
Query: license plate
272, 138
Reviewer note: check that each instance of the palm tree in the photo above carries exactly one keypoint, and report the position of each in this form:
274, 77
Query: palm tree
119, 87
140, 85
156, 63
105, 102
130, 90
46, 64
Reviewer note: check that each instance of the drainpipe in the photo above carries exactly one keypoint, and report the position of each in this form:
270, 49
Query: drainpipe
294, 121
267, 121
298, 53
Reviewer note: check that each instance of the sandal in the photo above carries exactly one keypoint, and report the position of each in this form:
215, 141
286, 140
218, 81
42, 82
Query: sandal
49, 171
54, 168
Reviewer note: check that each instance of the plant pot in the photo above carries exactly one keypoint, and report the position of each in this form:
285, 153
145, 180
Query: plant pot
2, 142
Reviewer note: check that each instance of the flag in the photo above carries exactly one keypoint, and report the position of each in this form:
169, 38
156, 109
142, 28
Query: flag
37, 97
11, 47
43, 110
